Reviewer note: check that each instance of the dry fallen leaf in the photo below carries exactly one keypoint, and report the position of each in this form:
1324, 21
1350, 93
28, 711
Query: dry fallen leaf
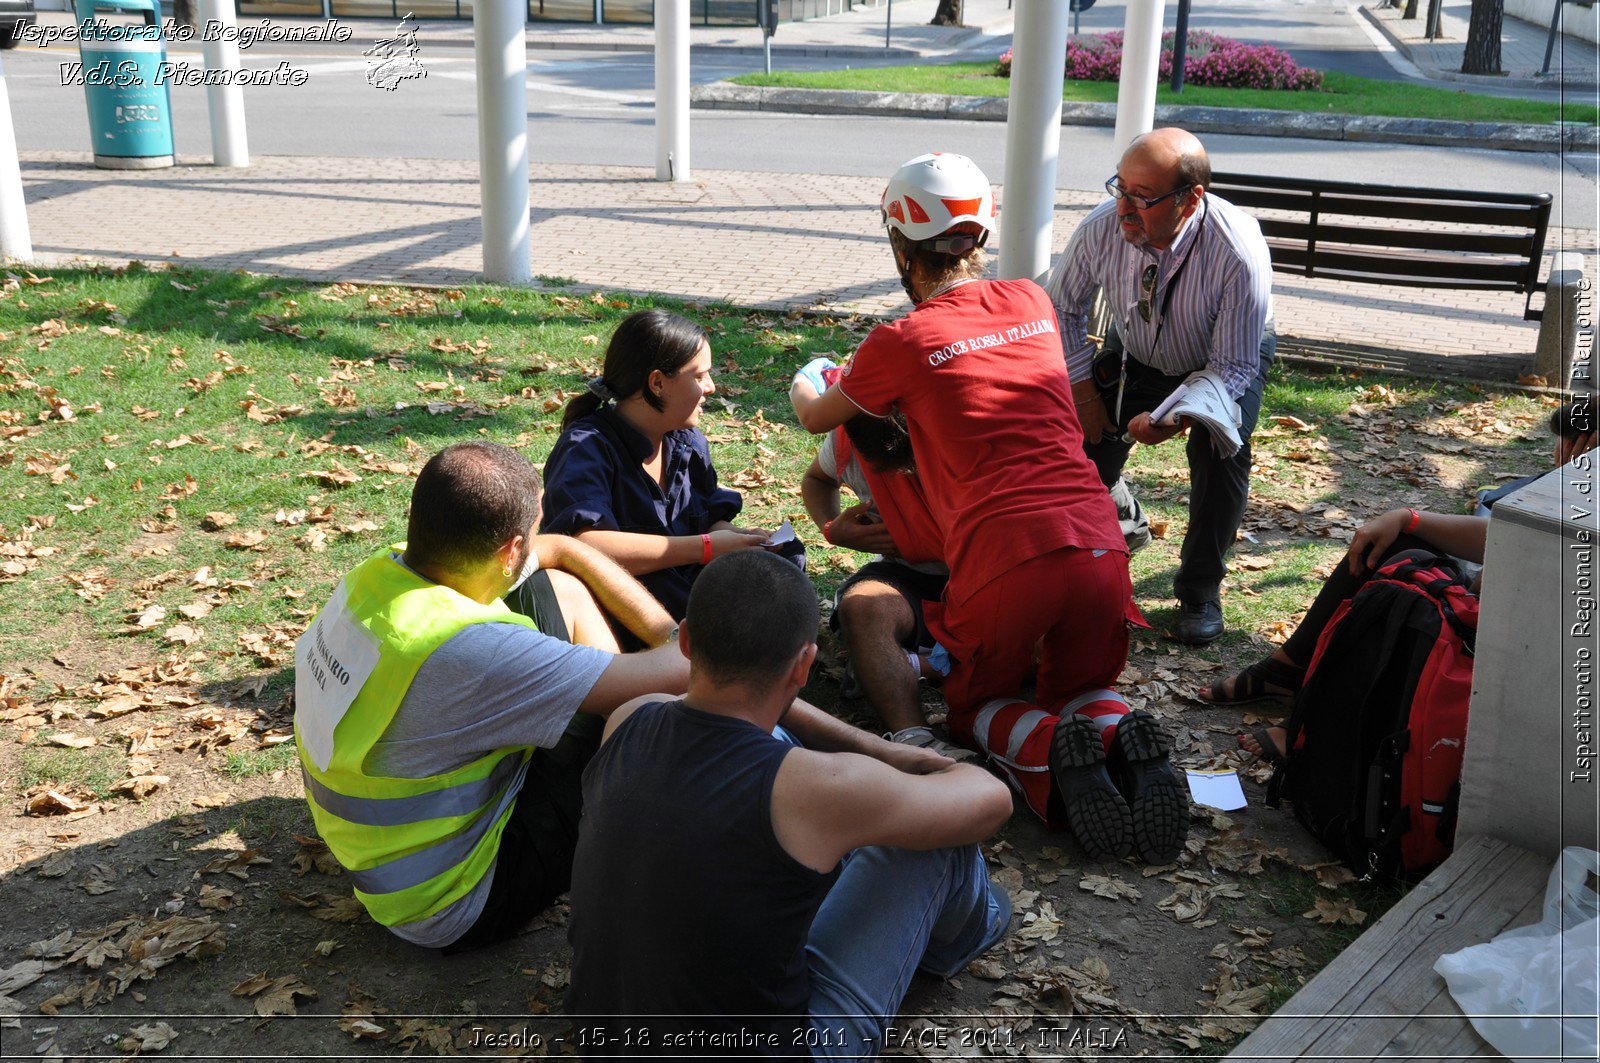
1330, 911
141, 786
216, 520
149, 1038
246, 540
70, 740
358, 1027
215, 898
181, 635
274, 996
57, 865
1110, 888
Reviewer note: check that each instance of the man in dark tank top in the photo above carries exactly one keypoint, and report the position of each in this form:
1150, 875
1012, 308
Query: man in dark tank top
745, 888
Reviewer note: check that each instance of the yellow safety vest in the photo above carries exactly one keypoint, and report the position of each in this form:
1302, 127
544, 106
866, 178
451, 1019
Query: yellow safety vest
411, 846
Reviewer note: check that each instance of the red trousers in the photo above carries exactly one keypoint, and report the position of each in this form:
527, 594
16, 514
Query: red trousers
1075, 608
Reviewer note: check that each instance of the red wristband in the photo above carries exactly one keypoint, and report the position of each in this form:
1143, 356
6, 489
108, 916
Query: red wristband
1416, 519
827, 531
705, 548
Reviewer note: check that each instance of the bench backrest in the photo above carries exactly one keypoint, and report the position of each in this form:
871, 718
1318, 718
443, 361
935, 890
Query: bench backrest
1412, 237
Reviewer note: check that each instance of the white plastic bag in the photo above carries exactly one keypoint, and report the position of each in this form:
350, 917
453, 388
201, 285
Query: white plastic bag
1531, 992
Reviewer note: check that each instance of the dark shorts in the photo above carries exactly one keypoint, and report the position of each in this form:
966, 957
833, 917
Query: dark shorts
915, 587
534, 864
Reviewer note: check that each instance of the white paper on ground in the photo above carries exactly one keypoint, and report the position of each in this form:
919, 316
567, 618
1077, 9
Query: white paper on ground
1216, 789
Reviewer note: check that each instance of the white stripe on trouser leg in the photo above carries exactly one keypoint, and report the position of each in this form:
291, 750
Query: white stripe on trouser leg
1106, 717
1089, 696
980, 726
1022, 729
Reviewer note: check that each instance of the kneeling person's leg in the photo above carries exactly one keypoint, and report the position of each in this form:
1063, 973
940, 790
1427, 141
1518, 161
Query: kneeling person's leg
876, 620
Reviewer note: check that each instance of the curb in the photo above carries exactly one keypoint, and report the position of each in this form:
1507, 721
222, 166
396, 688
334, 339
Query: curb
815, 51
1503, 136
1487, 81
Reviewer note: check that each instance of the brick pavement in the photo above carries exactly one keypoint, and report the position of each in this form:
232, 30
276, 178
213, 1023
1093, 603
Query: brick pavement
766, 240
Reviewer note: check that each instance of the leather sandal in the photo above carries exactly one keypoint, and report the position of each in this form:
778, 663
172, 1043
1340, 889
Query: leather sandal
1271, 752
1251, 684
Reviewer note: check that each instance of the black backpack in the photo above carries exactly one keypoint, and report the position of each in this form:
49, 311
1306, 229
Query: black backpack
1379, 726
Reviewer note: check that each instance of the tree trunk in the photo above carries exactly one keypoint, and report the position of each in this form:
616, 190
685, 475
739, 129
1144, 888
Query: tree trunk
1411, 9
949, 13
1482, 55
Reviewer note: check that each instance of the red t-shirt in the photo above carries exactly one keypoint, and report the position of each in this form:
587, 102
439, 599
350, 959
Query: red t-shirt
979, 374
901, 503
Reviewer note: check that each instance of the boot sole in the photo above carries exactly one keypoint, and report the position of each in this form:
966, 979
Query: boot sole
1096, 813
1157, 796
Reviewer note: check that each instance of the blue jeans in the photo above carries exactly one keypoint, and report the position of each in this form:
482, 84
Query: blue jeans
891, 913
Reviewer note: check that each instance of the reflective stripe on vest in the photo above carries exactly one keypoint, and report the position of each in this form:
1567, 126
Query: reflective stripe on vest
410, 846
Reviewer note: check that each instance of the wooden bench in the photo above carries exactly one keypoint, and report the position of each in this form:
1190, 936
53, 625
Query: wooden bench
1419, 238
1381, 998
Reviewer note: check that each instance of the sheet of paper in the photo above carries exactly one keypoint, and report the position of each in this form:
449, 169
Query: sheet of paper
1159, 415
784, 534
1216, 789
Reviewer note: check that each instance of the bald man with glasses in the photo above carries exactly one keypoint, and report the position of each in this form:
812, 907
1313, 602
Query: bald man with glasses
1188, 280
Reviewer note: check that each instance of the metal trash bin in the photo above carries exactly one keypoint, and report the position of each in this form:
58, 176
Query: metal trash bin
130, 105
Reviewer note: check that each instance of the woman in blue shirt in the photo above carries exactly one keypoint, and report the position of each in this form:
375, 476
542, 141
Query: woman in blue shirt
631, 475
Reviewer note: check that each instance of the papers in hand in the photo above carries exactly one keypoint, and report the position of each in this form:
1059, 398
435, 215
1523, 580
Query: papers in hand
784, 534
1163, 414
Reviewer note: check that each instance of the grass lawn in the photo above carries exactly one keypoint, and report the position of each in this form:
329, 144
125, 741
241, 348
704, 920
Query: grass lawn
191, 461
1342, 94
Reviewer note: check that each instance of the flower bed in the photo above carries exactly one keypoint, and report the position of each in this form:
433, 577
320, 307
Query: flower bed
1212, 60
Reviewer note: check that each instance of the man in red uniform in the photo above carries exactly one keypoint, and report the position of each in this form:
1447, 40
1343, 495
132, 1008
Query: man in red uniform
1036, 555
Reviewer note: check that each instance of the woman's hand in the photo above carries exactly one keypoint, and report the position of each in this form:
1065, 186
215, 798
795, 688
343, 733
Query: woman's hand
730, 539
1373, 539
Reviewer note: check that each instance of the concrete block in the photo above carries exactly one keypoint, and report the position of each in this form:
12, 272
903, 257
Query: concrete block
1528, 773
1560, 330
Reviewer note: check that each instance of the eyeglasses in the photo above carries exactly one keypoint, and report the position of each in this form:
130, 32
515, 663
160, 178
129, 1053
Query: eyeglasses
1118, 192
1147, 288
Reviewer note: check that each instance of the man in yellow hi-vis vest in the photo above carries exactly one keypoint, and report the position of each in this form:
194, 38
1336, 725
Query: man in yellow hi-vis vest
441, 731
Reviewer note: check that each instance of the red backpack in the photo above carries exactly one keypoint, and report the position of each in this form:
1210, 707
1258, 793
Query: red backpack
1380, 724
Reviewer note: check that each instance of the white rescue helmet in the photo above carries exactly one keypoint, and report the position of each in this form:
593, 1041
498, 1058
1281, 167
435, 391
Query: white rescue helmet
932, 194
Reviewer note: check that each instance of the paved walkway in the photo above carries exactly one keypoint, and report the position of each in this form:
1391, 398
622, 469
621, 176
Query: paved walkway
806, 242
1575, 63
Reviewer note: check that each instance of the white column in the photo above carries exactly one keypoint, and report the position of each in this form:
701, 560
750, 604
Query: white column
501, 46
229, 143
1141, 65
14, 239
672, 90
1033, 137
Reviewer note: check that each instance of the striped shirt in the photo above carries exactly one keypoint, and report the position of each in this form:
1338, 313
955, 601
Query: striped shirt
1219, 309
